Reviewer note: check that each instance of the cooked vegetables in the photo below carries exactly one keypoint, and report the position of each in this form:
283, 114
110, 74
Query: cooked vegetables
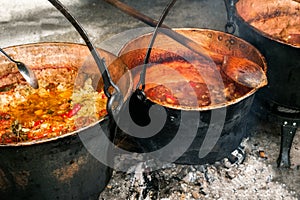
50, 111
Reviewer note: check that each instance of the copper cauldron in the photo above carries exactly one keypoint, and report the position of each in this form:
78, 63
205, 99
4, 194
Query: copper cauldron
191, 133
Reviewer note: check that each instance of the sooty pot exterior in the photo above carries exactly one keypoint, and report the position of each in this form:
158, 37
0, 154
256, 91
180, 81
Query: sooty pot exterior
58, 169
282, 57
187, 136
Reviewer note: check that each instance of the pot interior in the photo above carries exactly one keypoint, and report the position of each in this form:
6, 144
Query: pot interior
66, 73
279, 20
171, 66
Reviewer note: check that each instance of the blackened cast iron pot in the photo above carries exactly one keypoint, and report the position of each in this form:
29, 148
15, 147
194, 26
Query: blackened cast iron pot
60, 167
227, 118
282, 55
273, 27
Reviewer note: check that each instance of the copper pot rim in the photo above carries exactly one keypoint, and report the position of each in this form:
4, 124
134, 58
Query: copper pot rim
209, 107
73, 133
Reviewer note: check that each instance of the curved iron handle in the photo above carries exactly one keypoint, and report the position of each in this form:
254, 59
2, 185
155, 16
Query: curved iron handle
230, 26
147, 57
117, 96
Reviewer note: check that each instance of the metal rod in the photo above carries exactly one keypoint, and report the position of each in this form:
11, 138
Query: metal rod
161, 20
134, 13
114, 99
100, 62
165, 29
10, 58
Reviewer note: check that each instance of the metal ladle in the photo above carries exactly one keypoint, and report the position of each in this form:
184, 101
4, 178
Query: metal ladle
26, 72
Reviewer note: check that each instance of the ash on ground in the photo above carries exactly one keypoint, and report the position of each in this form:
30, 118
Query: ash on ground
253, 175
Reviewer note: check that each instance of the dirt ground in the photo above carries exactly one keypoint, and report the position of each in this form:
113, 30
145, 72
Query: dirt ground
254, 177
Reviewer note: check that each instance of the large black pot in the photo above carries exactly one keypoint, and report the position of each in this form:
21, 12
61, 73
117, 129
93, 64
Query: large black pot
273, 28
282, 55
183, 134
61, 167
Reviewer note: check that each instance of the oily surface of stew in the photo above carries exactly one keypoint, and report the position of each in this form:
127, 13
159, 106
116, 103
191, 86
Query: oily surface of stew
52, 110
190, 84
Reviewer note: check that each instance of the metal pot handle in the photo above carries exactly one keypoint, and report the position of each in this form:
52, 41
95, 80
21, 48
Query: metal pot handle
141, 82
230, 26
114, 99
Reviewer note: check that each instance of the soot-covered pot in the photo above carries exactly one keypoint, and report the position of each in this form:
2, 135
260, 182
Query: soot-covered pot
273, 27
196, 113
61, 166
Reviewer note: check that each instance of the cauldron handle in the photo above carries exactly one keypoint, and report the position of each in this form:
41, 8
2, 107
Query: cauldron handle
230, 26
138, 104
146, 60
114, 99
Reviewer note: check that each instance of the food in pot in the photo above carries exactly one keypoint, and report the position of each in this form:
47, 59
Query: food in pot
178, 82
176, 93
182, 79
56, 108
285, 28
279, 19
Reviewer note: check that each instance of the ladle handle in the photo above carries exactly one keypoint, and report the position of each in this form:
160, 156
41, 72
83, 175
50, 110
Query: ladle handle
187, 42
6, 55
